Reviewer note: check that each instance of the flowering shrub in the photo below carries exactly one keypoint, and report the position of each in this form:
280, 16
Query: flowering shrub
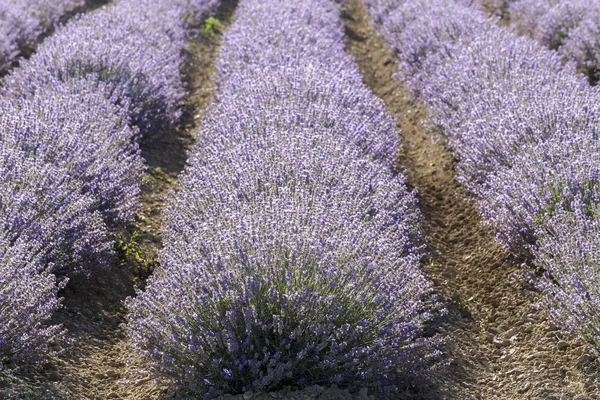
424, 40
23, 21
291, 250
583, 46
43, 203
295, 33
70, 166
568, 247
75, 127
28, 299
569, 26
525, 132
141, 71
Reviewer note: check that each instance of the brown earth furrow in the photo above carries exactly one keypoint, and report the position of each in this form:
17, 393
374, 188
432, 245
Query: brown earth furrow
500, 343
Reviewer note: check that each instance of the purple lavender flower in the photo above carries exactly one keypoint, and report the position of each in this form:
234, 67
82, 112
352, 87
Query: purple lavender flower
525, 132
568, 248
70, 166
23, 21
292, 248
28, 298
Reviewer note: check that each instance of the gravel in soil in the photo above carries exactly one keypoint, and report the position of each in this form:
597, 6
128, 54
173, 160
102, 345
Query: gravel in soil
500, 343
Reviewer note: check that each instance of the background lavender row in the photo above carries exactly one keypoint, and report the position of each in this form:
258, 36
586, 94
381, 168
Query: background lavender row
70, 164
572, 27
140, 73
292, 248
23, 21
525, 132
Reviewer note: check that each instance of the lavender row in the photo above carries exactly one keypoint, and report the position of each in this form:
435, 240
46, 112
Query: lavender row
70, 121
134, 48
572, 27
291, 249
23, 21
525, 131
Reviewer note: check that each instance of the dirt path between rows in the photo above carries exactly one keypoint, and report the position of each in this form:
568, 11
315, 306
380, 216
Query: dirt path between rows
501, 345
99, 362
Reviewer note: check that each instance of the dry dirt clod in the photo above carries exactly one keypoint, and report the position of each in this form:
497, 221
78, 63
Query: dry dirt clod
499, 342
562, 345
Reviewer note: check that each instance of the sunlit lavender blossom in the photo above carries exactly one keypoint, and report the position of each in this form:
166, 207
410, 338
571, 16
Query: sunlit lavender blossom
525, 132
23, 21
292, 248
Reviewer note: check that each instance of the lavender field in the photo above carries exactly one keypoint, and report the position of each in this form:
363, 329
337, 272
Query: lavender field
332, 199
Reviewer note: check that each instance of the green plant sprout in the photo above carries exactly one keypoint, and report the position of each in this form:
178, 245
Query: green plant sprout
210, 25
125, 248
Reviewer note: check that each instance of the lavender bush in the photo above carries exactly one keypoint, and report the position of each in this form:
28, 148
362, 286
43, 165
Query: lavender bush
28, 299
293, 34
421, 40
70, 166
568, 248
525, 132
569, 26
142, 71
23, 21
583, 46
292, 248
75, 127
44, 204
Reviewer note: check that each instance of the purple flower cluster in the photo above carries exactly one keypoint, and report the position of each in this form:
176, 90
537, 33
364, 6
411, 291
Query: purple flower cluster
525, 131
70, 166
572, 27
23, 21
134, 49
27, 299
291, 250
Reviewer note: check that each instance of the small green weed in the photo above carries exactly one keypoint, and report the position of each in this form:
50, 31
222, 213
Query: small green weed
125, 248
211, 25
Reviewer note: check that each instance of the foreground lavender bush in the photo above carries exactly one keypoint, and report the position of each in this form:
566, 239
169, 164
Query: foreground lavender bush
292, 248
282, 263
28, 299
525, 132
23, 21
